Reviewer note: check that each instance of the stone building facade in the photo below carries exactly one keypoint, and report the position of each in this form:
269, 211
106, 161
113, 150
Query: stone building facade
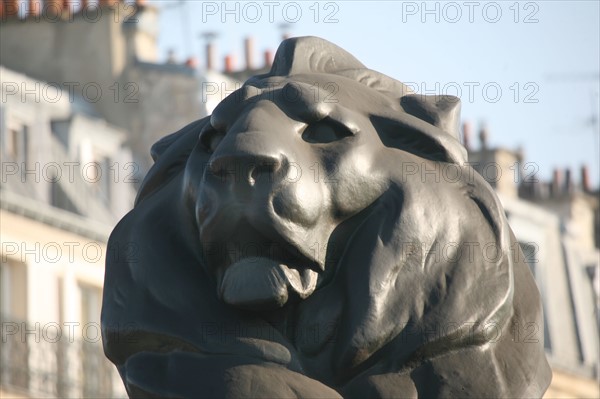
557, 224
83, 99
106, 53
65, 181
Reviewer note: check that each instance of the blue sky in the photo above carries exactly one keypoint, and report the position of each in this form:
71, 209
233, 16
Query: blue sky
528, 69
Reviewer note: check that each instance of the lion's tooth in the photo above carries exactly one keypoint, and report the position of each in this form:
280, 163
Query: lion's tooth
309, 281
304, 284
293, 277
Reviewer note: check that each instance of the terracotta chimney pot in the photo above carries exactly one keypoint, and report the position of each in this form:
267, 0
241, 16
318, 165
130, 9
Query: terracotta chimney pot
556, 182
228, 63
585, 179
268, 58
10, 8
191, 62
34, 8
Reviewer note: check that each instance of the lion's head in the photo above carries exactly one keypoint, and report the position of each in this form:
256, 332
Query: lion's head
320, 234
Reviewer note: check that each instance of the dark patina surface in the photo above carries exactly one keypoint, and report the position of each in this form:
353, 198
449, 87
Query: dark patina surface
320, 235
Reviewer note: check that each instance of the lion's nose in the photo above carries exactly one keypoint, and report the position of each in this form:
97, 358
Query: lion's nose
246, 168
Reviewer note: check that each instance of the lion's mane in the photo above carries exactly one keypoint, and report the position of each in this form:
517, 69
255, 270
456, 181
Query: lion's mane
398, 317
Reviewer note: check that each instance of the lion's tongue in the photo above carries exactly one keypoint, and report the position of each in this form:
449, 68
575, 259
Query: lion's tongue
262, 284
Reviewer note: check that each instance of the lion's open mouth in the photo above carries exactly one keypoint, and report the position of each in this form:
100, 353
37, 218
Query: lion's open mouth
262, 272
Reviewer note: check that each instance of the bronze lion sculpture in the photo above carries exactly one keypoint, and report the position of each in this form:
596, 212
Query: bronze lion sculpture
320, 235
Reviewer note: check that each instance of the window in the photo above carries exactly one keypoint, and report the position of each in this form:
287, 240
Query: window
95, 370
15, 350
17, 143
13, 289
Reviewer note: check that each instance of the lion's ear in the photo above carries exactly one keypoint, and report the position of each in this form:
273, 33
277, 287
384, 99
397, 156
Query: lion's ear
442, 111
428, 127
163, 144
311, 54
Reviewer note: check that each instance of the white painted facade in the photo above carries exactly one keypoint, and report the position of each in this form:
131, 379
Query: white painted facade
53, 247
41, 127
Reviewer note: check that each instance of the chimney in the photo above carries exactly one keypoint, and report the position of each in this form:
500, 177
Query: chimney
556, 180
53, 7
171, 59
483, 137
268, 58
107, 3
9, 8
68, 6
34, 8
191, 62
568, 181
248, 49
228, 63
209, 56
467, 135
284, 28
520, 154
585, 179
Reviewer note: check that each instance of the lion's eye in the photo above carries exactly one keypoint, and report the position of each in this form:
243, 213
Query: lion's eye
325, 131
210, 139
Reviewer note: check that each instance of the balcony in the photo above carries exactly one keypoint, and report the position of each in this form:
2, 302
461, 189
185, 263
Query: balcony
48, 360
